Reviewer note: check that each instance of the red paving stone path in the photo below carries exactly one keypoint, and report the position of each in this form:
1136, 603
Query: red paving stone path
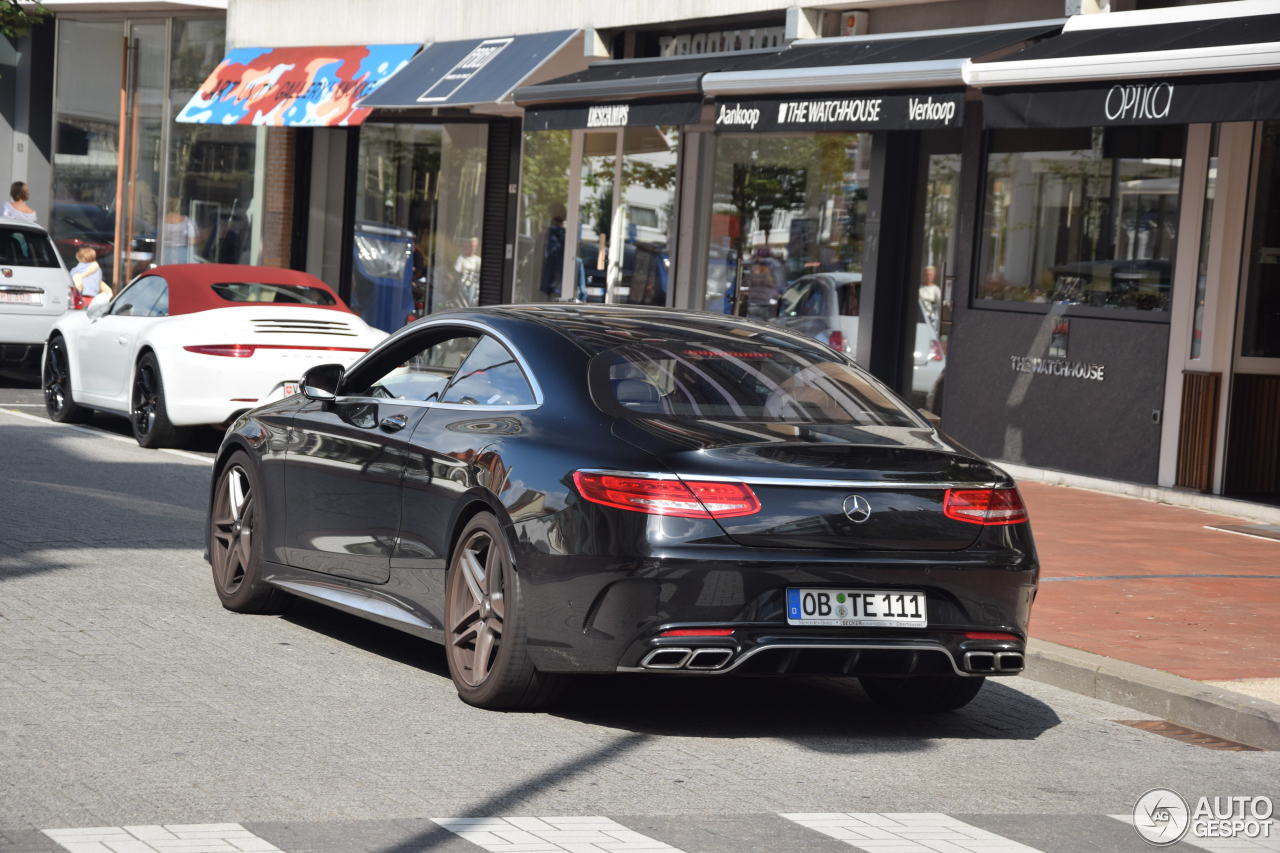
1206, 628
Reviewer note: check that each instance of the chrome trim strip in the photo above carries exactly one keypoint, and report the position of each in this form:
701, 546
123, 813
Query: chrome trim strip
789, 481
20, 288
351, 600
415, 328
834, 645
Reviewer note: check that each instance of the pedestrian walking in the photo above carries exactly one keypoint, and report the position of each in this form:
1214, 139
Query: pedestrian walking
87, 274
16, 207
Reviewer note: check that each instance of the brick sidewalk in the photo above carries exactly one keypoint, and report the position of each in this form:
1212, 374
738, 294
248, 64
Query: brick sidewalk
1150, 584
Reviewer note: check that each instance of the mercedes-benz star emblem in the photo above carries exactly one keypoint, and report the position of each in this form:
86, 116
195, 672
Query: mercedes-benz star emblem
857, 508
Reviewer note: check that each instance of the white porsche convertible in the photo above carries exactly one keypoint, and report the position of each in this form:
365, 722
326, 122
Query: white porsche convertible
190, 344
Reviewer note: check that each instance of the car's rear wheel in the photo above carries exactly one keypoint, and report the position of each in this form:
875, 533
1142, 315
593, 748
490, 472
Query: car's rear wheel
147, 411
55, 378
932, 693
236, 528
485, 639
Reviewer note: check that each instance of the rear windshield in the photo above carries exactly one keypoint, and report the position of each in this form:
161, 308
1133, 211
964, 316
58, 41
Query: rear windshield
768, 379
22, 248
277, 294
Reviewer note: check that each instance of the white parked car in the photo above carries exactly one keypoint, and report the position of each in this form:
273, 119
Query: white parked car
826, 306
35, 290
191, 344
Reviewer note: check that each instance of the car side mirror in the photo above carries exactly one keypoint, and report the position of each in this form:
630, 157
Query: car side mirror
933, 418
321, 382
97, 308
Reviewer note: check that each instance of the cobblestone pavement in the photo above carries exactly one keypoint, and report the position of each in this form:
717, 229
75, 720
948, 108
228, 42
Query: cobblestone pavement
130, 698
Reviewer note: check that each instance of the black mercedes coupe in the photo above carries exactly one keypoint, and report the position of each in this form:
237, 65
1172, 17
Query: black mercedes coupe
559, 489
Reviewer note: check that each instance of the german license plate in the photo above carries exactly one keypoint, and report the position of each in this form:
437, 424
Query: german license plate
856, 608
21, 298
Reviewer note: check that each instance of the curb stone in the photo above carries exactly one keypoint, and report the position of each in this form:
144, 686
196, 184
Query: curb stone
1189, 703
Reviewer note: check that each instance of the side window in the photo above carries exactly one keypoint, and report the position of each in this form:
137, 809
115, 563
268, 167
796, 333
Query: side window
814, 303
417, 373
791, 300
490, 376
139, 299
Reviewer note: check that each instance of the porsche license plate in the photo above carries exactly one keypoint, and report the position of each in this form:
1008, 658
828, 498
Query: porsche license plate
856, 608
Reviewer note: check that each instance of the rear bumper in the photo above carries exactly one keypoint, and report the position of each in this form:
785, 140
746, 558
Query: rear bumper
24, 357
26, 329
596, 614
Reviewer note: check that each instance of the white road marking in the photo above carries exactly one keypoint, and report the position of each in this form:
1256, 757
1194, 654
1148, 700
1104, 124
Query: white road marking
1226, 845
1239, 533
173, 838
907, 832
551, 835
101, 434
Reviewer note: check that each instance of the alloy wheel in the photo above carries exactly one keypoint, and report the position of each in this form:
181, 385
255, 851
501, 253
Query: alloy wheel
475, 632
234, 517
56, 378
146, 399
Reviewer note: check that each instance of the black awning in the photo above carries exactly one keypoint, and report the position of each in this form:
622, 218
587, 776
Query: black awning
1128, 68
1151, 38
1171, 100
854, 51
620, 79
859, 84
468, 72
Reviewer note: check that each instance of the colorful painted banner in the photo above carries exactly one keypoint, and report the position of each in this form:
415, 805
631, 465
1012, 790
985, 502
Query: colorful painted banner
295, 86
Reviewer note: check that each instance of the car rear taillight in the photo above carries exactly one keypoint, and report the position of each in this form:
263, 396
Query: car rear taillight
75, 299
936, 352
228, 350
985, 506
698, 632
668, 496
836, 340
246, 350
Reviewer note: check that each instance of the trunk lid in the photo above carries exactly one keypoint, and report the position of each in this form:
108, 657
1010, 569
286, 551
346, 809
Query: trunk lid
830, 487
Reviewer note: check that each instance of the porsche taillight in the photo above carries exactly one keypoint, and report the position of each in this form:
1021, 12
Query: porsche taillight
985, 506
667, 495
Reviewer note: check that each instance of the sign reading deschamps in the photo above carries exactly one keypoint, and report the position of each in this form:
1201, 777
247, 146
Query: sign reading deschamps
861, 112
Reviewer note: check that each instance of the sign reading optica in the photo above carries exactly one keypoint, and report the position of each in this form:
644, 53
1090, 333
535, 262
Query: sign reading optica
843, 112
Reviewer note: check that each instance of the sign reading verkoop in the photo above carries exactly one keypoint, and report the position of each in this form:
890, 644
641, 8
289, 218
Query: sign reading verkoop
860, 111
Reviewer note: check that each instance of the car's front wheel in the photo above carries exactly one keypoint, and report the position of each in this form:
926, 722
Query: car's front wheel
485, 639
147, 412
55, 379
237, 522
930, 694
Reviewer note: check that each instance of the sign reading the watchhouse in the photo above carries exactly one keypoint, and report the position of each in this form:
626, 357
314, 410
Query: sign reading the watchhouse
860, 111
1175, 100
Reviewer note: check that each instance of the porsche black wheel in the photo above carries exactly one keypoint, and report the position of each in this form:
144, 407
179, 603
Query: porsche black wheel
147, 413
55, 379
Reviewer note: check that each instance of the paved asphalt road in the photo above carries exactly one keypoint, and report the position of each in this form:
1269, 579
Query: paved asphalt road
130, 698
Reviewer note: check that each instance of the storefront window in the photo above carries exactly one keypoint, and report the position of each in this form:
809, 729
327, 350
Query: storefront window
544, 204
146, 152
207, 215
419, 212
1202, 265
935, 299
595, 218
1084, 217
86, 140
642, 233
785, 210
1260, 336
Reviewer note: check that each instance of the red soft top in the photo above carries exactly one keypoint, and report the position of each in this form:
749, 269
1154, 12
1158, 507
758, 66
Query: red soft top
191, 285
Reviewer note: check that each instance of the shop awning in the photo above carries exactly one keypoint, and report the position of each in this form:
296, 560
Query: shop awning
1217, 62
295, 86
472, 72
622, 92
889, 82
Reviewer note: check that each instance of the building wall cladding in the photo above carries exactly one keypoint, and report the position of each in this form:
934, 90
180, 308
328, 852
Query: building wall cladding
1067, 422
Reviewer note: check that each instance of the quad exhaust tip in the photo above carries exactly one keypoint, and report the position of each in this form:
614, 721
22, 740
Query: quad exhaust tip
681, 658
993, 662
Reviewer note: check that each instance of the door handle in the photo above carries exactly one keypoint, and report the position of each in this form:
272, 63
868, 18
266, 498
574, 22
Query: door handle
122, 340
394, 423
